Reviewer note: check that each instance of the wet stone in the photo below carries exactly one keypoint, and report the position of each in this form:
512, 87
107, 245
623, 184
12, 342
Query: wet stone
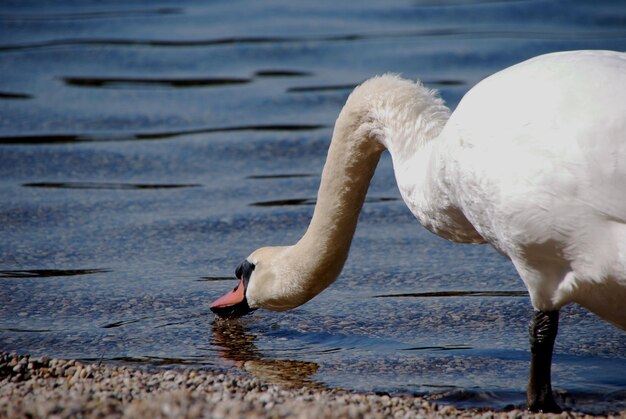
95, 391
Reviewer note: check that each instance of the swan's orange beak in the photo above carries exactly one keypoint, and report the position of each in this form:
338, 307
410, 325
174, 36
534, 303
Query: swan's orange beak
234, 297
233, 304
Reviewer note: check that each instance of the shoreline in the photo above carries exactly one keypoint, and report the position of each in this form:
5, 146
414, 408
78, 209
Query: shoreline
44, 387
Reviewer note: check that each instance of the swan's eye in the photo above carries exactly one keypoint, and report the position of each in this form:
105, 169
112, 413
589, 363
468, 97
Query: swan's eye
247, 269
244, 271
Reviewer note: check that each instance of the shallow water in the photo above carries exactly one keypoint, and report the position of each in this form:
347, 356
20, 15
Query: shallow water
146, 148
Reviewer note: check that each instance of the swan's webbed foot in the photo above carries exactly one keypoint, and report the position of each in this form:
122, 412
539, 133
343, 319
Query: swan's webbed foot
542, 329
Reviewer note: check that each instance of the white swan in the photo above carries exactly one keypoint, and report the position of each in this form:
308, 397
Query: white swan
533, 161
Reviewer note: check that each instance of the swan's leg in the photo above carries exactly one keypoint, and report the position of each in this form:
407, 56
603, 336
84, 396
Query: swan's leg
543, 329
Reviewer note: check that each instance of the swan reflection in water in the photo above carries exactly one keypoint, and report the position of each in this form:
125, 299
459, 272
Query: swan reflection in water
238, 348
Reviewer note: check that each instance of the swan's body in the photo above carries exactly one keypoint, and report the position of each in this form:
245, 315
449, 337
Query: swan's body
534, 157
532, 161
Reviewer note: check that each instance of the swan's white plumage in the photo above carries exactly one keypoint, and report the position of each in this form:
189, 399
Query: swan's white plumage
533, 161
538, 165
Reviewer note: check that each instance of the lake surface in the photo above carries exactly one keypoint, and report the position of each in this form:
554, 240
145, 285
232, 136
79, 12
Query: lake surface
146, 148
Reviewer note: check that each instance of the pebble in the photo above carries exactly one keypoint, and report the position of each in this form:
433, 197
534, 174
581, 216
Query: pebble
44, 387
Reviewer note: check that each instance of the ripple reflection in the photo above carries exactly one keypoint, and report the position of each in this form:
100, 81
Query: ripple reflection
237, 346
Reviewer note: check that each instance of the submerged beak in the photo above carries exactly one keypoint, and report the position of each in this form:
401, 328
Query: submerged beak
233, 304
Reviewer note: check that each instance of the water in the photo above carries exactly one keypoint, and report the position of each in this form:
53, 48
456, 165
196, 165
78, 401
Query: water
146, 148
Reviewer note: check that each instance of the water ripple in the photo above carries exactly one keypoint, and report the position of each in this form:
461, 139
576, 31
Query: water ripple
456, 294
310, 201
428, 33
281, 176
79, 138
123, 322
216, 278
104, 14
14, 96
139, 81
282, 73
18, 330
107, 185
49, 273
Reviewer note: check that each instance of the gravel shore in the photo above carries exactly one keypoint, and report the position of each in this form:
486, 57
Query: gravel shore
43, 387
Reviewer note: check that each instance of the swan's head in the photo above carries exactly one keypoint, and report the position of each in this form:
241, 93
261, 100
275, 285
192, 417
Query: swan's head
267, 280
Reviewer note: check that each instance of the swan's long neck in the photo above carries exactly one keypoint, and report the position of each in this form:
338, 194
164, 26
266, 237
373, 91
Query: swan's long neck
349, 168
385, 112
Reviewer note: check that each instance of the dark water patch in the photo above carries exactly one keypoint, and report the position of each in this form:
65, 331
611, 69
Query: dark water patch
215, 278
104, 14
347, 37
436, 294
37, 139
328, 88
14, 96
282, 73
133, 82
42, 139
123, 323
439, 348
107, 185
17, 330
164, 43
444, 82
280, 176
79, 138
375, 200
171, 324
309, 201
284, 202
221, 41
272, 127
49, 273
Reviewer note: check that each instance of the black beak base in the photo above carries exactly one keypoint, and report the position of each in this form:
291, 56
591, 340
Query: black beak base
234, 311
